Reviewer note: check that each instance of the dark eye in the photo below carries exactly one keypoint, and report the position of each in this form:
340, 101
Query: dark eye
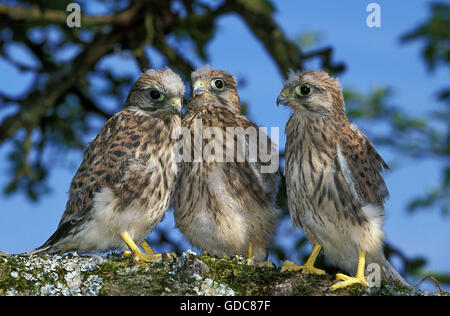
303, 90
156, 95
217, 84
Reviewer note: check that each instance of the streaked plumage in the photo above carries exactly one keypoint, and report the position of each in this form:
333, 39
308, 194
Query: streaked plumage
223, 207
124, 184
333, 174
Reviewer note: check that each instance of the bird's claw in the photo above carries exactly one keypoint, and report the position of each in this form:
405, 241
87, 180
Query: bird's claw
345, 281
308, 269
140, 256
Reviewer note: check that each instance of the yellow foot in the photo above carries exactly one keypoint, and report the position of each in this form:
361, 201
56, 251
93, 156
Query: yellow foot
137, 254
307, 268
345, 281
149, 251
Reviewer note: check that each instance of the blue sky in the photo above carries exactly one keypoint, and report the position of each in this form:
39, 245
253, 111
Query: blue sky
373, 56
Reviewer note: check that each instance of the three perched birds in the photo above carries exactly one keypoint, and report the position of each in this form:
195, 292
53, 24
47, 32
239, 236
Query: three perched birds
142, 160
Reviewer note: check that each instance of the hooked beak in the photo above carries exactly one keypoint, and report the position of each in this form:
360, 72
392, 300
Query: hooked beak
199, 87
175, 105
284, 100
285, 97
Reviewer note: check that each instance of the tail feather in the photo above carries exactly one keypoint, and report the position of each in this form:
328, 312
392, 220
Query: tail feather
388, 272
391, 274
55, 244
40, 250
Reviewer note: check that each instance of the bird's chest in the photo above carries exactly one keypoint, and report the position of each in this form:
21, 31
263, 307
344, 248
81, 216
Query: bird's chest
150, 178
309, 173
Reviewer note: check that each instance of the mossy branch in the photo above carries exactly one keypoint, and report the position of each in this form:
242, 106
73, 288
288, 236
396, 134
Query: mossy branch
187, 274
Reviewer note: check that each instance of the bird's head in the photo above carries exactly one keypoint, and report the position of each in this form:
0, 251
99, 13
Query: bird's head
312, 92
216, 86
157, 91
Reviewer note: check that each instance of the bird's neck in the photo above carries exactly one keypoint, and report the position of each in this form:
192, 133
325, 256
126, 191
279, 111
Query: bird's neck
207, 101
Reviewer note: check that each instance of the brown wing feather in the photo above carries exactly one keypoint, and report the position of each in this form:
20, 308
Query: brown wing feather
105, 162
365, 165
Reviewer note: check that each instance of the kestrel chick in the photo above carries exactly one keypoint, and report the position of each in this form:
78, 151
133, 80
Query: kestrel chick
225, 207
124, 184
333, 179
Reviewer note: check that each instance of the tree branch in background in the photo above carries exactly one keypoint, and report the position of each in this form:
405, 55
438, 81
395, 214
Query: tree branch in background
286, 54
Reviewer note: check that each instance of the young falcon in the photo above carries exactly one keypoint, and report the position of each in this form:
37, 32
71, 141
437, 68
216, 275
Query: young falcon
333, 180
124, 184
223, 207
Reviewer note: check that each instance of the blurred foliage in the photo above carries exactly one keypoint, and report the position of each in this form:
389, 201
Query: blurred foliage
435, 34
71, 79
307, 40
